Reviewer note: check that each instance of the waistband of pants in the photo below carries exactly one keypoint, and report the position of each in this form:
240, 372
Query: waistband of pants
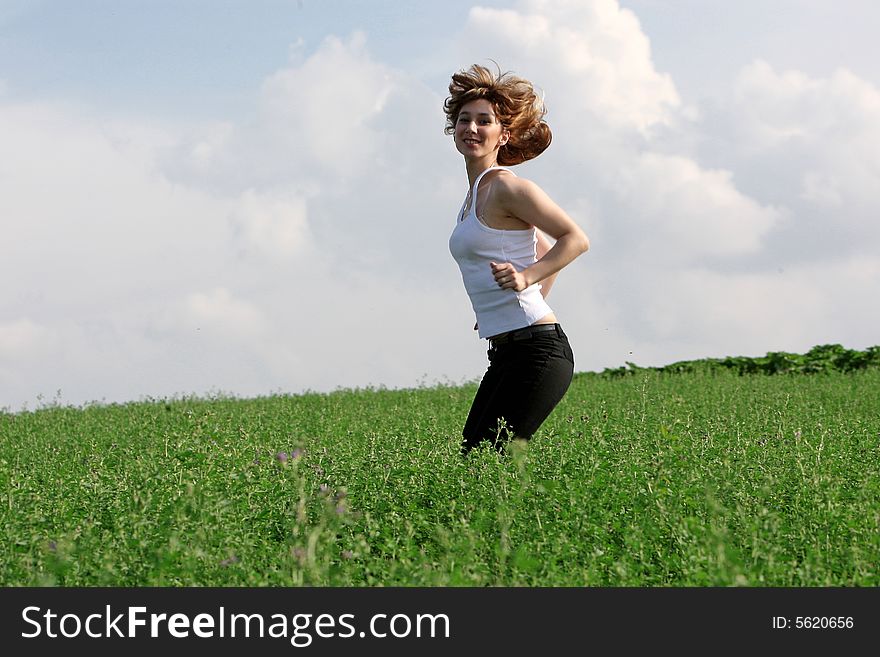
526, 333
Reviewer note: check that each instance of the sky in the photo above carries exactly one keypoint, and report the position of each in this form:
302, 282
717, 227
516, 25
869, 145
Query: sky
253, 198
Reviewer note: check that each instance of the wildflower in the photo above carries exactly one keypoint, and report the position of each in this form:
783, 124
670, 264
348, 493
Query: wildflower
282, 457
300, 554
297, 453
347, 554
228, 562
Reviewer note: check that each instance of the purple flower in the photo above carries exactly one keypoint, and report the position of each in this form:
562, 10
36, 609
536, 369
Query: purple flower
282, 457
300, 554
297, 453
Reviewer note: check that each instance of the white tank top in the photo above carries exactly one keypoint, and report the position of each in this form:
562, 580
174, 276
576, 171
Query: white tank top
474, 245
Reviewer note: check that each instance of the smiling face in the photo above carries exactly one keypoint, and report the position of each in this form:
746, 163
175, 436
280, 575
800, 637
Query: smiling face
478, 134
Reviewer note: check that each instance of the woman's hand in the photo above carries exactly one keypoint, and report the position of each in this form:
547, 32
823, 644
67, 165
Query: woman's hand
507, 277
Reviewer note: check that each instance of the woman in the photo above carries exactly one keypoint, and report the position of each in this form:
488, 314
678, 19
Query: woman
506, 262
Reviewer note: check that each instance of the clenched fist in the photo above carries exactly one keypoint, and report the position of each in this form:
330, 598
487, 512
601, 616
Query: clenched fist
507, 277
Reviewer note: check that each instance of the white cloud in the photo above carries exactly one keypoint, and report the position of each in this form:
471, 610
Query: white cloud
23, 339
204, 149
218, 311
812, 144
828, 128
684, 212
592, 56
274, 224
821, 189
324, 108
97, 221
779, 106
789, 310
795, 231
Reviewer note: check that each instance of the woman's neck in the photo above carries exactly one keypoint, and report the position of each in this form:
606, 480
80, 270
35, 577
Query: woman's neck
476, 167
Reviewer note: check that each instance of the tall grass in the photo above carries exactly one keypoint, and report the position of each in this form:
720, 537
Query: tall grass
654, 479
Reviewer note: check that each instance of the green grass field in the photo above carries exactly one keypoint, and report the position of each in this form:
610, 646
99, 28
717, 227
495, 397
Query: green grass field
651, 479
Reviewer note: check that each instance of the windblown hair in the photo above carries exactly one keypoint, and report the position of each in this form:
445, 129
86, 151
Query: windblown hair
517, 108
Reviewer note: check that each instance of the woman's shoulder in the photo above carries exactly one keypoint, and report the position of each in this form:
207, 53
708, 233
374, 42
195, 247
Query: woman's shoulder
508, 184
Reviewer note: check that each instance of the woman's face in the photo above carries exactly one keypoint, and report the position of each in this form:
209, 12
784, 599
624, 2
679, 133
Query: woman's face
477, 130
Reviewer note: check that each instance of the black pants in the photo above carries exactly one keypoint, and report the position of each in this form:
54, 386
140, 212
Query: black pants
525, 381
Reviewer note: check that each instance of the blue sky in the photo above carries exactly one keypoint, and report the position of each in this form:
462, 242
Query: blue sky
255, 197
199, 56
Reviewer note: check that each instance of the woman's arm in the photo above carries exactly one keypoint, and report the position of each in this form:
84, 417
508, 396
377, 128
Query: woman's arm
541, 250
526, 201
